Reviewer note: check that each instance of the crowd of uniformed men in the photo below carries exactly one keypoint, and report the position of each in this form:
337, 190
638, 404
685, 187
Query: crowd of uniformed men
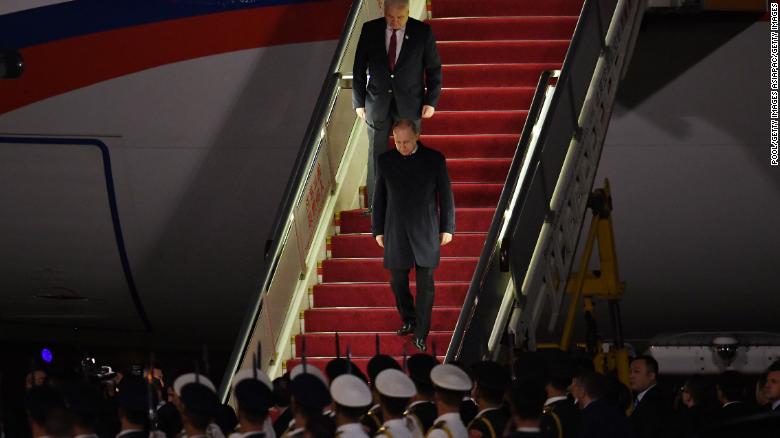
540, 395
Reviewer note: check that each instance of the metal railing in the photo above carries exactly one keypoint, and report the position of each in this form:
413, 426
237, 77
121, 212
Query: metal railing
547, 144
303, 168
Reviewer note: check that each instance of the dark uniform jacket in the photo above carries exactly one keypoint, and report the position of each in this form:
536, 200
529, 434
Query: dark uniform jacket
561, 419
413, 203
602, 420
424, 413
373, 420
415, 81
652, 416
489, 423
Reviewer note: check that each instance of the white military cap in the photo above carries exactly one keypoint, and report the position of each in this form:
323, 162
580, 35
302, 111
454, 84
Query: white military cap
186, 379
394, 383
448, 376
246, 374
310, 369
348, 390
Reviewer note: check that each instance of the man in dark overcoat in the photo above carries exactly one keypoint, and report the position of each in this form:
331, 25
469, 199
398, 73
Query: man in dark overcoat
396, 74
413, 216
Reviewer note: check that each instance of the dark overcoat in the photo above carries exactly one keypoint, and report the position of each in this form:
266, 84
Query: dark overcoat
413, 203
415, 81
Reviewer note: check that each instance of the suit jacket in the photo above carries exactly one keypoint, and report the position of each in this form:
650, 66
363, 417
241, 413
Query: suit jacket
601, 420
652, 416
408, 191
417, 68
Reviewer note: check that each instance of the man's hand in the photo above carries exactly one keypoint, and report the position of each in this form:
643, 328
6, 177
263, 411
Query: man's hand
444, 238
361, 112
380, 240
427, 111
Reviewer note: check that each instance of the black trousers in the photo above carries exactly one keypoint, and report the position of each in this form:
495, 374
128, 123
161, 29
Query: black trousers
418, 313
378, 133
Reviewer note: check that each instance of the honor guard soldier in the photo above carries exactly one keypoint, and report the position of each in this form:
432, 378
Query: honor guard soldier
308, 369
490, 383
395, 390
197, 403
450, 384
309, 397
561, 418
422, 409
337, 367
254, 396
313, 371
373, 420
351, 399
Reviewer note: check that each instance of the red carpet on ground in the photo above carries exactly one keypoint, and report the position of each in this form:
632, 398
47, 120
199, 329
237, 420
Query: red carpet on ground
493, 52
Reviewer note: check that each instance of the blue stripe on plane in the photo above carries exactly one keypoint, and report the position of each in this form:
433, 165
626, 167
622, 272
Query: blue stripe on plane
81, 17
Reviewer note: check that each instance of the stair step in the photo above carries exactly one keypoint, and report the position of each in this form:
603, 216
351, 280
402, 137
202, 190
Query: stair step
372, 270
498, 52
489, 170
364, 344
495, 75
503, 28
372, 319
476, 195
475, 122
504, 8
485, 98
448, 293
364, 245
361, 362
466, 220
473, 146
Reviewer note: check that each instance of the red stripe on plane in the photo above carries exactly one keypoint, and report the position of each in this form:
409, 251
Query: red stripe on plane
66, 65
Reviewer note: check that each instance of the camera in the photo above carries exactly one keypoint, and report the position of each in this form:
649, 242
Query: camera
91, 370
726, 348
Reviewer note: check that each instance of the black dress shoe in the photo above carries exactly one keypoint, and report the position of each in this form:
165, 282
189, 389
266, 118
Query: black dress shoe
420, 344
407, 328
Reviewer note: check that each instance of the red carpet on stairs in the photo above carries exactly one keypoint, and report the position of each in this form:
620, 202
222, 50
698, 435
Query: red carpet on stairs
493, 52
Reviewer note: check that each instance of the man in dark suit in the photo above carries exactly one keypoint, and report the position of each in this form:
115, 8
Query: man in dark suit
772, 386
413, 216
396, 74
651, 411
599, 418
730, 388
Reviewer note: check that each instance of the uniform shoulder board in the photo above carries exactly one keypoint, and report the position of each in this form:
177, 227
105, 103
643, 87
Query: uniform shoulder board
384, 431
489, 426
442, 425
557, 420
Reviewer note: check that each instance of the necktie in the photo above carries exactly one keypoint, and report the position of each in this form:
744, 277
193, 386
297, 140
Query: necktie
391, 51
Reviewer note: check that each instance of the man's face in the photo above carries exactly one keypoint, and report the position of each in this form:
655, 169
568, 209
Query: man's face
405, 140
577, 391
35, 378
772, 387
640, 378
396, 16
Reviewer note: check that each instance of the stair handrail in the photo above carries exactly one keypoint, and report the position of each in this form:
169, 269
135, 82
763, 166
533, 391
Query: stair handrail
490, 249
292, 195
511, 214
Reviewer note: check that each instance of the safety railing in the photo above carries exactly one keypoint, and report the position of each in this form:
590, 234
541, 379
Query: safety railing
312, 179
539, 184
